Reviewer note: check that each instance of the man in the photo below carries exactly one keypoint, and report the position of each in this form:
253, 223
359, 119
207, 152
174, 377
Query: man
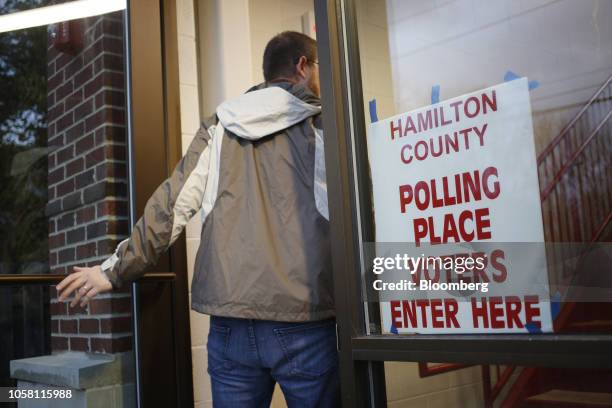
263, 269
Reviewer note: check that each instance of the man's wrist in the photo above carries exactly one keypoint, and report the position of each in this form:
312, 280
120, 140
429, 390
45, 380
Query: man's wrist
105, 274
107, 271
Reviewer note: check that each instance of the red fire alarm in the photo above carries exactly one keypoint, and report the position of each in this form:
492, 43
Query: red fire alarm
67, 36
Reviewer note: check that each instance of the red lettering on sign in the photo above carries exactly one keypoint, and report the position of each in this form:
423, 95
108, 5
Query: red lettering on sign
456, 189
513, 308
451, 231
479, 311
408, 313
532, 310
505, 312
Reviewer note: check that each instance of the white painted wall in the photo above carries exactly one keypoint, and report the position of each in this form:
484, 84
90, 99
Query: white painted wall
225, 51
465, 45
189, 83
268, 18
373, 35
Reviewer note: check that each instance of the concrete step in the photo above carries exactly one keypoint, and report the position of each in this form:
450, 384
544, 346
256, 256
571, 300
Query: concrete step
568, 398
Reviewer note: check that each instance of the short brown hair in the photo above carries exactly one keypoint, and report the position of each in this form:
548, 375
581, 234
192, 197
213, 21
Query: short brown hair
284, 50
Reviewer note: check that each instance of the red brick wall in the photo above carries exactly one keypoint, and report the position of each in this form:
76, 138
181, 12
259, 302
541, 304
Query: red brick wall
88, 205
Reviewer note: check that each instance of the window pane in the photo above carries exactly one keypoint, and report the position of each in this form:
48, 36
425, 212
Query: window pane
488, 134
64, 197
24, 150
11, 6
24, 326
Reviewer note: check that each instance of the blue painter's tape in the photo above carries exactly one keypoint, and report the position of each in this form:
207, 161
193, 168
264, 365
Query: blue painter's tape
533, 84
435, 94
511, 76
555, 305
393, 329
533, 328
373, 114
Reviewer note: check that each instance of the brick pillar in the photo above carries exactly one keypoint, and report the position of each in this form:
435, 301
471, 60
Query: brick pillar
88, 199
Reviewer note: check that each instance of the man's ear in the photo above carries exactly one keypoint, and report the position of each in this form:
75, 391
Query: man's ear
300, 67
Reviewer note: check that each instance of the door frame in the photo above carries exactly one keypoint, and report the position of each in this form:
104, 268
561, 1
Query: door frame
362, 355
160, 307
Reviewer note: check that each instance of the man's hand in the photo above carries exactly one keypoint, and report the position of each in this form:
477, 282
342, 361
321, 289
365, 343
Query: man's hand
86, 283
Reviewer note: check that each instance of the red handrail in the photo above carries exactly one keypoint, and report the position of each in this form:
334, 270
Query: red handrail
425, 370
602, 228
491, 392
573, 157
572, 122
528, 373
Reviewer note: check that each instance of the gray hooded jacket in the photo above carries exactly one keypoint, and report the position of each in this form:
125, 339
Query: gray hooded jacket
256, 173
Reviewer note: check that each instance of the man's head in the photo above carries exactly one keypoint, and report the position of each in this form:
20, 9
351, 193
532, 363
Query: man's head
292, 56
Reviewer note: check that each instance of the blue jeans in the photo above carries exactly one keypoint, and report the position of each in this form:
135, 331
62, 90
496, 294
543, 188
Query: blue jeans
247, 357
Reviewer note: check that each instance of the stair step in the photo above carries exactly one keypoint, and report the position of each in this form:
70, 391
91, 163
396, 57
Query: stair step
593, 325
568, 398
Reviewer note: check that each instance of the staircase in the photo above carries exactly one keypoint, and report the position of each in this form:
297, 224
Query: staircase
575, 172
565, 398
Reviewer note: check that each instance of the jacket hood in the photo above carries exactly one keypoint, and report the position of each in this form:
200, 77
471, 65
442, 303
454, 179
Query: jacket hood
263, 110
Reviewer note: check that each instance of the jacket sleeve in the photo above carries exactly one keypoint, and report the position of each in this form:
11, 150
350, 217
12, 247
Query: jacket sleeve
165, 215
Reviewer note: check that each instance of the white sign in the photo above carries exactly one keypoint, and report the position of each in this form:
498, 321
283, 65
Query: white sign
464, 171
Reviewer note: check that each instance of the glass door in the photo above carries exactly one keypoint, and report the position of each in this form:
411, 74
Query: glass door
64, 198
470, 200
84, 140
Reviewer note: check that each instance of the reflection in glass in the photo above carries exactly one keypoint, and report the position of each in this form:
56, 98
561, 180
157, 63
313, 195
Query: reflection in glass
417, 54
422, 54
23, 151
24, 326
63, 179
